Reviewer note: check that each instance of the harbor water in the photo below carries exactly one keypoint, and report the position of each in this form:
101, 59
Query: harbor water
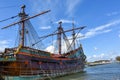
100, 72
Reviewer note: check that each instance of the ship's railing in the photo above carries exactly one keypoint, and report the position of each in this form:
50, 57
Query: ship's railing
7, 59
35, 51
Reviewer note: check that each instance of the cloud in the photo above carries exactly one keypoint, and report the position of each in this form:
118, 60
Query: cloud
119, 35
96, 57
59, 9
64, 21
4, 44
93, 32
113, 13
100, 29
106, 25
103, 56
50, 49
106, 31
45, 27
95, 48
40, 5
71, 4
53, 48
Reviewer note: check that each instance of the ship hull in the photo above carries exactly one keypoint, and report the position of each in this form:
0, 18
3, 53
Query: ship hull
27, 63
34, 65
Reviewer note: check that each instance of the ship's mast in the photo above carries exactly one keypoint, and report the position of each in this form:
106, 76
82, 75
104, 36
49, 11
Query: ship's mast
24, 18
73, 35
23, 15
59, 37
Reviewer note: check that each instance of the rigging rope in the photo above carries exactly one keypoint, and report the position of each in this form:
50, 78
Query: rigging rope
42, 39
73, 40
32, 36
17, 41
12, 6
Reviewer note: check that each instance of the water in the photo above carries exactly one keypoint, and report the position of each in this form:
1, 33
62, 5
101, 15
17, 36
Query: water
101, 72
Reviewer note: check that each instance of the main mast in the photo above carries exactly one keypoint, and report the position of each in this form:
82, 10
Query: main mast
23, 15
73, 35
59, 37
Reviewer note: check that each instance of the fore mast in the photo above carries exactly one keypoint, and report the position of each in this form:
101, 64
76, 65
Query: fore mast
23, 18
22, 15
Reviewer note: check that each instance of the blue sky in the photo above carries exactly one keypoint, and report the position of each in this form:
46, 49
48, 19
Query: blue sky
102, 18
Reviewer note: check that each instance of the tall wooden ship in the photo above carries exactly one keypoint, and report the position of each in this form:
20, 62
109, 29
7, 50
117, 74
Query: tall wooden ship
26, 60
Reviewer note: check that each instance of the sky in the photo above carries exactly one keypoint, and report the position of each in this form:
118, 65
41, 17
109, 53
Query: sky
102, 17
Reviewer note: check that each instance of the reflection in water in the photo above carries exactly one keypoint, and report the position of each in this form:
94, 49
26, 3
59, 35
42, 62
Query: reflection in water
101, 72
